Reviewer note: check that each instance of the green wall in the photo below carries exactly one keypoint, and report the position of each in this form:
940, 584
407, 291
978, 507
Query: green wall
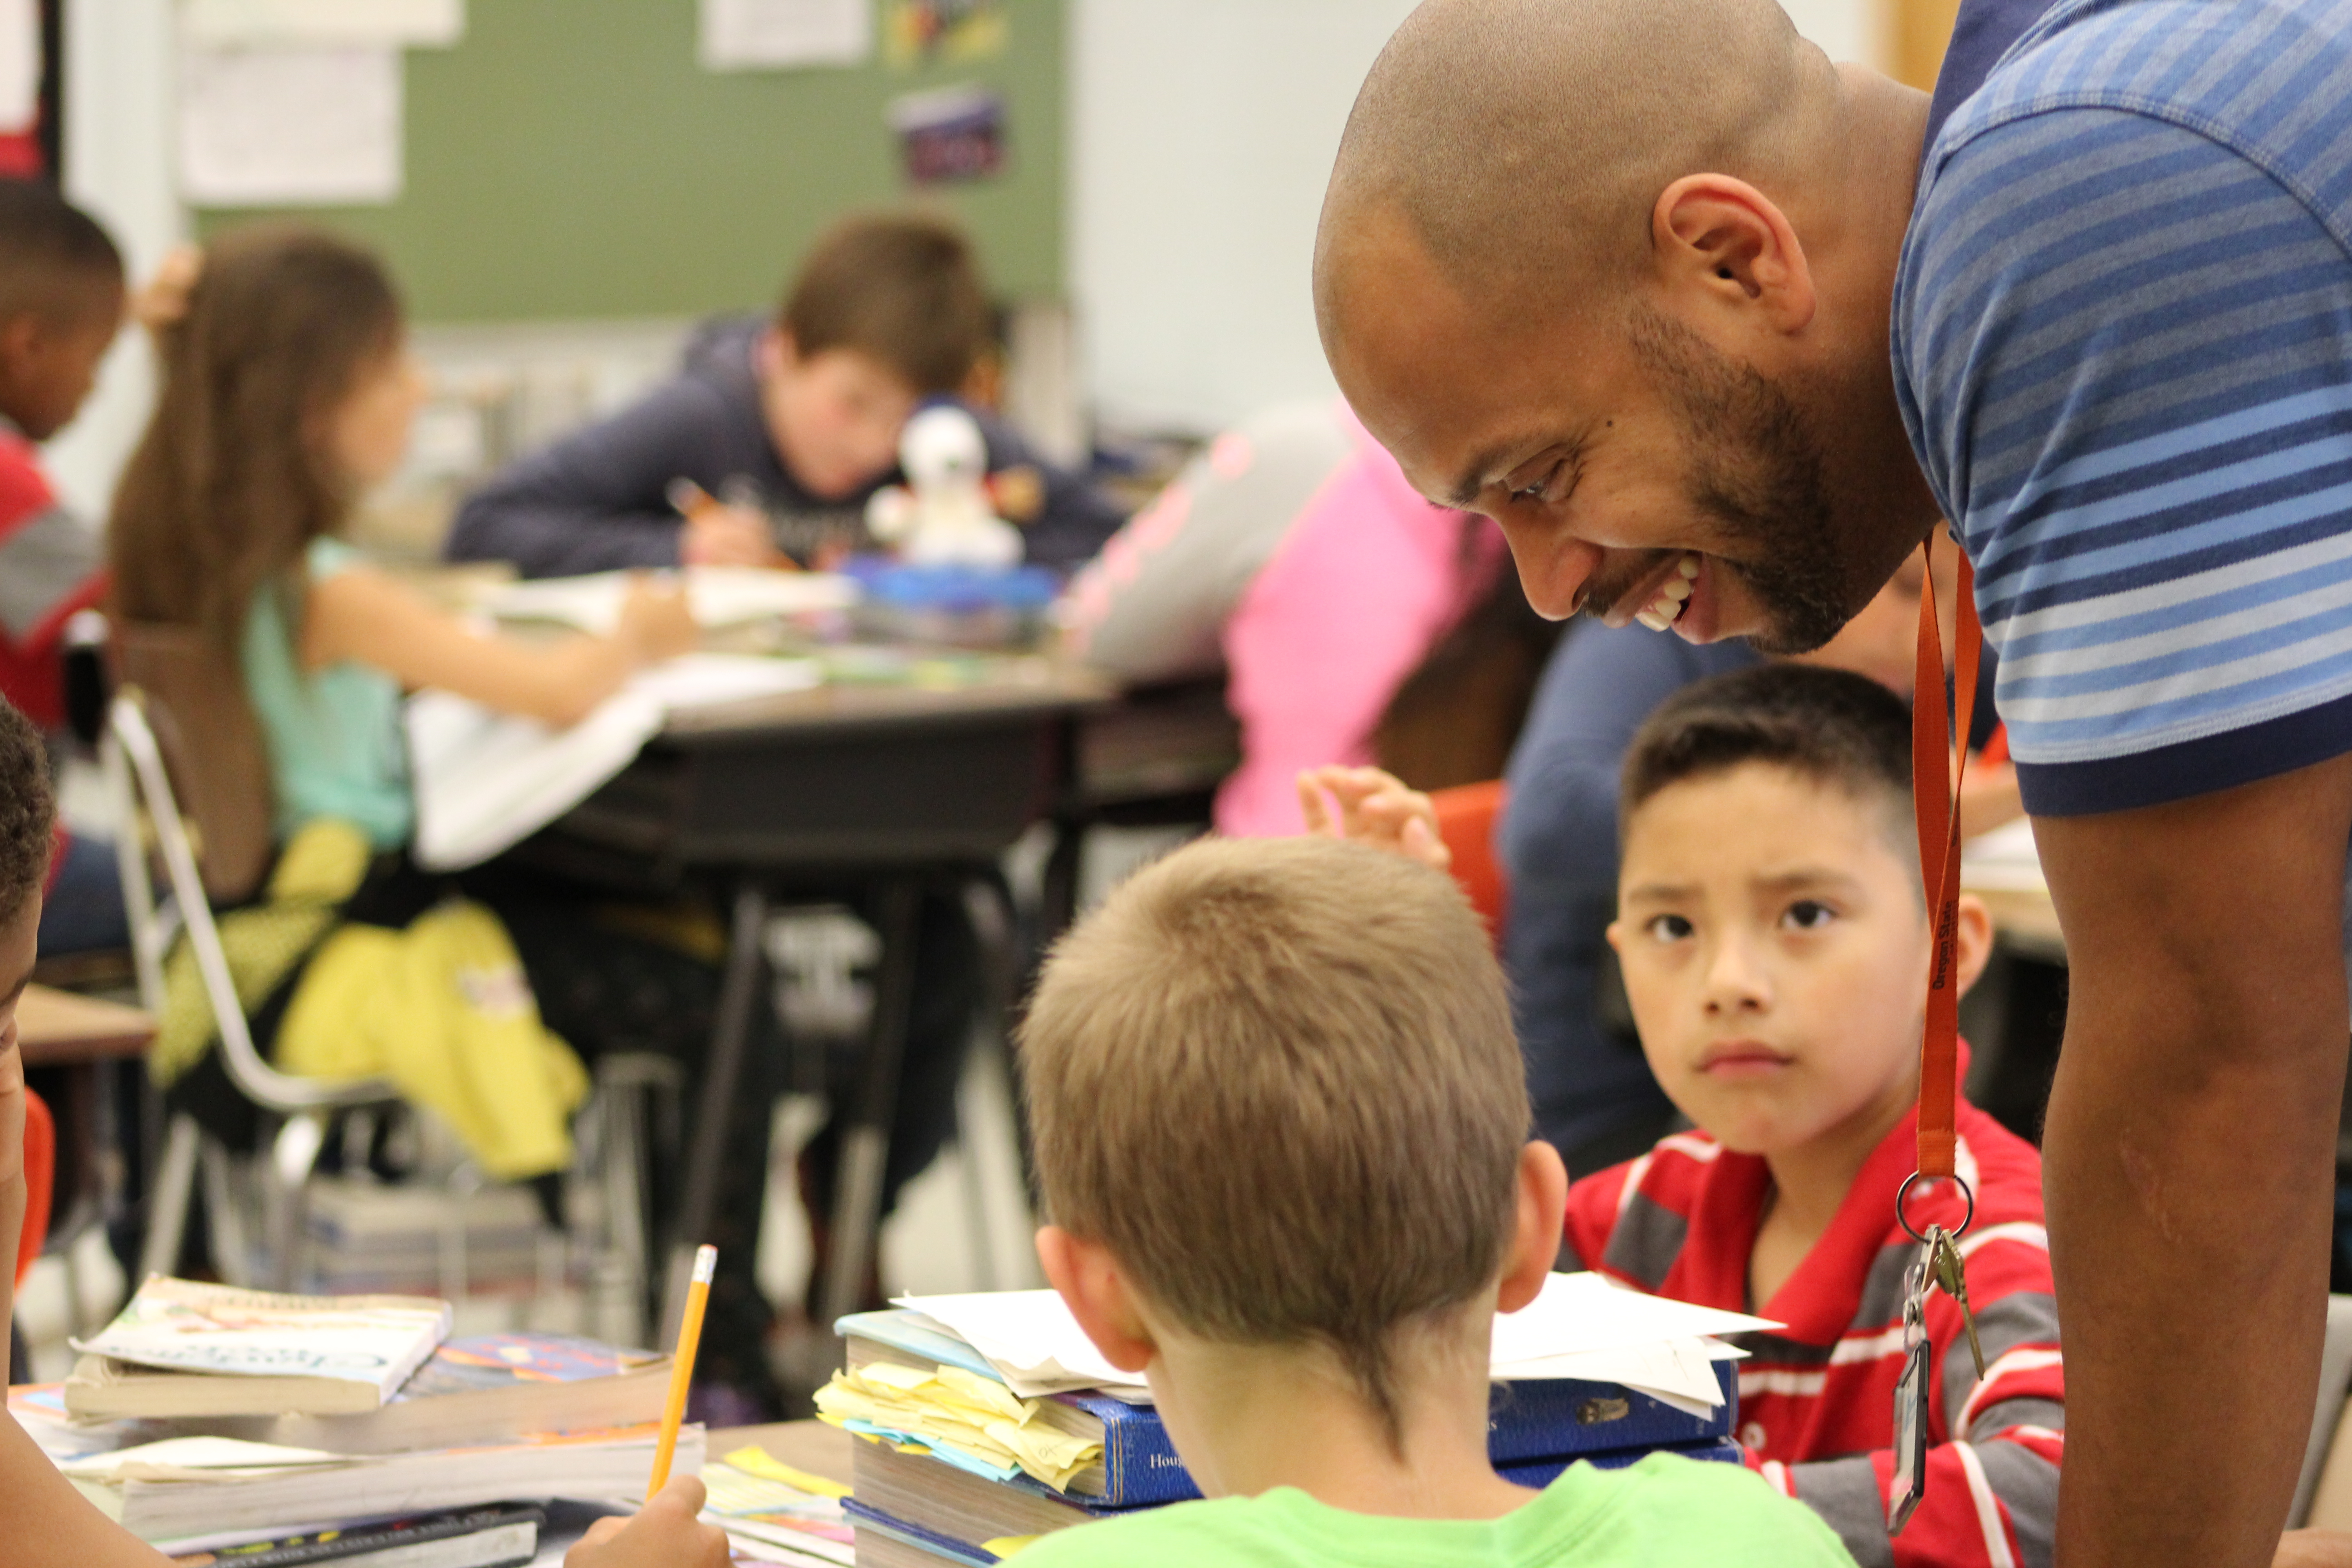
568, 159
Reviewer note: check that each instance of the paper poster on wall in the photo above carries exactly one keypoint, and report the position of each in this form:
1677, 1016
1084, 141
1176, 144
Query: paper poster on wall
412, 24
20, 66
771, 34
917, 32
950, 134
289, 127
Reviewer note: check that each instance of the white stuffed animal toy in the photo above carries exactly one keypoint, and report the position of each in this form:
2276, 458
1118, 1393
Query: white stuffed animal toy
942, 516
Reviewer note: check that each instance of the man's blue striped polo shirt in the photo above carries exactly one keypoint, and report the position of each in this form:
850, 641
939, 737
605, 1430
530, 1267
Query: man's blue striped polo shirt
2123, 346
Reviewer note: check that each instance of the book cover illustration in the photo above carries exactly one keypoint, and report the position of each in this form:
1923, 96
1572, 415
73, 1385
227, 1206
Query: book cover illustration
183, 1326
503, 1360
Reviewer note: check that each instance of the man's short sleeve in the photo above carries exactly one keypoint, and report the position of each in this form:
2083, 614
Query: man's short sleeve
2124, 351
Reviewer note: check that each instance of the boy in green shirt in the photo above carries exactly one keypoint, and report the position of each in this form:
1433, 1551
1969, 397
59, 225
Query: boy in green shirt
1281, 1133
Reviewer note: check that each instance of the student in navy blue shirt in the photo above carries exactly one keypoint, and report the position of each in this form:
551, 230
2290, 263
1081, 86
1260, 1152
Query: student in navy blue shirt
1717, 331
786, 427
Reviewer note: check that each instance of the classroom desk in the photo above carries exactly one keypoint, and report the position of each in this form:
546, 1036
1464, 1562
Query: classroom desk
896, 787
58, 1029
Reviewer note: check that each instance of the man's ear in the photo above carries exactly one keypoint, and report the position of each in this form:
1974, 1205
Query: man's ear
1096, 1291
1720, 238
1971, 939
1536, 1229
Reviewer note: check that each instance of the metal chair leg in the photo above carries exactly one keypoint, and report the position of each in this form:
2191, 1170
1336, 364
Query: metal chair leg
175, 1188
225, 1214
866, 1145
293, 1156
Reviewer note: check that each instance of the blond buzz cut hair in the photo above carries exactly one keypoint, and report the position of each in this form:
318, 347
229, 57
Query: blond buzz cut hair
1276, 1078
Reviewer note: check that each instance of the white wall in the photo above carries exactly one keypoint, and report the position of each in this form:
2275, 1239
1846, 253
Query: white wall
117, 144
1200, 134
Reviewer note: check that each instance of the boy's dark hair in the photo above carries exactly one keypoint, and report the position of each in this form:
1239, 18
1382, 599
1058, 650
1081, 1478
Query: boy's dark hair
1832, 726
53, 255
1276, 1078
901, 287
27, 811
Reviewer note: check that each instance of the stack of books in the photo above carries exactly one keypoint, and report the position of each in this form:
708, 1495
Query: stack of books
990, 1420
272, 1430
367, 1236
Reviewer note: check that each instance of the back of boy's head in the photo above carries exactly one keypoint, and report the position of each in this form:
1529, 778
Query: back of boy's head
232, 478
55, 261
901, 288
27, 812
1276, 1080
1834, 728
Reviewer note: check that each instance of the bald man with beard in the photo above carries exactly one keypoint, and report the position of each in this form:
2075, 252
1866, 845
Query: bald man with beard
1717, 331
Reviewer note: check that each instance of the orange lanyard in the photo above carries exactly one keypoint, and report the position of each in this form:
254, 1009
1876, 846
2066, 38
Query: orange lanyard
1934, 778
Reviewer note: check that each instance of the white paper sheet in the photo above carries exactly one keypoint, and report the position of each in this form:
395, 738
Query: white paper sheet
296, 127
1580, 1326
1575, 1313
769, 35
20, 65
719, 596
204, 1453
432, 24
486, 781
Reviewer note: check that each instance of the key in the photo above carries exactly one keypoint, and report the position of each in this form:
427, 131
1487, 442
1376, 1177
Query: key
1952, 1279
1909, 1482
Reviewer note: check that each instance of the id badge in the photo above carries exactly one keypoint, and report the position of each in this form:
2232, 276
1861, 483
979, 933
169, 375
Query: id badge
1910, 1439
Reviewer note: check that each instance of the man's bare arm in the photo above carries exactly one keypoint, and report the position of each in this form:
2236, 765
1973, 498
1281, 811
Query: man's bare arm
2189, 1161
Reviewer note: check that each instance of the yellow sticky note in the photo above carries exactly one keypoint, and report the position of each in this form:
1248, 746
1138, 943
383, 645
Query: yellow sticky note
1005, 1546
757, 1461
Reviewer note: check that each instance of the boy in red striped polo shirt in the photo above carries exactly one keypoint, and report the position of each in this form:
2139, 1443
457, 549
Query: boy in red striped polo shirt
61, 301
1774, 940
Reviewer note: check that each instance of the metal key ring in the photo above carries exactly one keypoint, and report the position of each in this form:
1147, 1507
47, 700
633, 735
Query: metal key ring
1903, 1218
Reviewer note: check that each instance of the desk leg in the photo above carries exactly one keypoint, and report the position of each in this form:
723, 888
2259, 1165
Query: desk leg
865, 1146
722, 1075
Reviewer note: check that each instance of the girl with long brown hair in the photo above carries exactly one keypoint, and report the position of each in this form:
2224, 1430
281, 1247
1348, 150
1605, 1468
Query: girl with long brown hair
288, 392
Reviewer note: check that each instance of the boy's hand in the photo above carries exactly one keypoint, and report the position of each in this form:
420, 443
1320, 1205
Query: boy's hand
665, 1533
718, 535
1374, 809
656, 622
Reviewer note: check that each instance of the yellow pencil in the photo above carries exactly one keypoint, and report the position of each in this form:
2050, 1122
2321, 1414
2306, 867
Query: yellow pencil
681, 1371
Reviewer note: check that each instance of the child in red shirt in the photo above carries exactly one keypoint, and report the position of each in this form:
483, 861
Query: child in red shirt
1774, 940
61, 299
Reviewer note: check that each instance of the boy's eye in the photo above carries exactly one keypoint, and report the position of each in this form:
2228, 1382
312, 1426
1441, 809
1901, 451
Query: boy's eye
1667, 927
1809, 914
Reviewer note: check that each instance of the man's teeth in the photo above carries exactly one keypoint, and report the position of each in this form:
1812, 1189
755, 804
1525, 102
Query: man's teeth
1663, 611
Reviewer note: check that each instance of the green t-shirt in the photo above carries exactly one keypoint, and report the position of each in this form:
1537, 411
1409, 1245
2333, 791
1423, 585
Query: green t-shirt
1666, 1510
335, 743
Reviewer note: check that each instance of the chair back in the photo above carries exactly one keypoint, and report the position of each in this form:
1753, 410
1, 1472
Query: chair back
1466, 815
195, 703
141, 785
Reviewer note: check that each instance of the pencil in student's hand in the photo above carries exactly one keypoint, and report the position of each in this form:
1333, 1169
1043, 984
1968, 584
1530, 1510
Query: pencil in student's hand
687, 497
681, 1371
